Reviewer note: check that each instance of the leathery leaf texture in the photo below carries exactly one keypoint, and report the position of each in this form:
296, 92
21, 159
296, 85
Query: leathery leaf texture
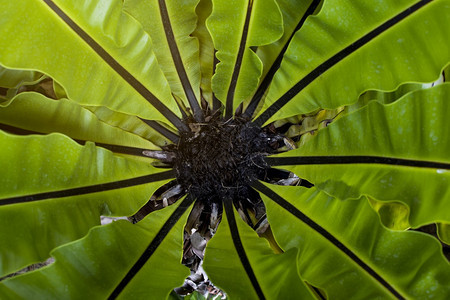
104, 103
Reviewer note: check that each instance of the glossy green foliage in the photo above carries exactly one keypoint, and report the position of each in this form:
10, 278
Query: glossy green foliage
206, 49
397, 55
37, 113
12, 80
64, 55
254, 23
90, 90
386, 130
118, 244
293, 12
182, 19
273, 271
390, 254
444, 232
58, 221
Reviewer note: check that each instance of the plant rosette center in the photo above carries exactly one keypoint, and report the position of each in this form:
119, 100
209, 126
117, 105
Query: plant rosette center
220, 159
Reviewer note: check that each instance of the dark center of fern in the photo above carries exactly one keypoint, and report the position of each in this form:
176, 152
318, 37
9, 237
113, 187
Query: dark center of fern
220, 159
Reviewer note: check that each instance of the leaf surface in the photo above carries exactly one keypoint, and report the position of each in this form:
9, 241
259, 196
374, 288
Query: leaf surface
257, 272
120, 64
170, 24
54, 190
353, 46
94, 265
294, 13
206, 52
38, 113
10, 78
412, 131
344, 249
161, 135
443, 231
254, 23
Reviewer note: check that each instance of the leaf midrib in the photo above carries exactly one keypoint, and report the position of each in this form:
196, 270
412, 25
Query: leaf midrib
262, 88
354, 159
179, 66
332, 61
238, 64
118, 68
327, 235
89, 189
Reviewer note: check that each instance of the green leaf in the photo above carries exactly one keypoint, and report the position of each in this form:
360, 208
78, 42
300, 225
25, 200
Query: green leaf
393, 214
384, 97
34, 212
206, 50
272, 273
122, 88
254, 23
353, 46
13, 79
13, 82
107, 49
169, 27
391, 96
92, 266
344, 250
443, 231
413, 129
38, 113
294, 12
130, 123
